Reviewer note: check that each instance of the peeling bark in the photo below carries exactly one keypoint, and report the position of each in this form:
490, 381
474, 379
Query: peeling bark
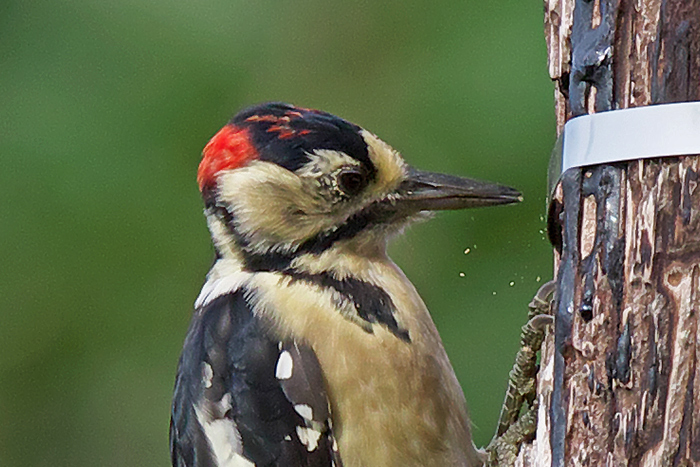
619, 382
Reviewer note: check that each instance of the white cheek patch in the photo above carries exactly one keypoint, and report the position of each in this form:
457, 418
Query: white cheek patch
272, 205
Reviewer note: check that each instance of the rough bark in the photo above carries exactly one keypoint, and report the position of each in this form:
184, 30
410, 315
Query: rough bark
620, 376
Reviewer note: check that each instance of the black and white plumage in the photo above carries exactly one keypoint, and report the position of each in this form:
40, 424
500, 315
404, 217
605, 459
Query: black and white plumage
242, 398
308, 346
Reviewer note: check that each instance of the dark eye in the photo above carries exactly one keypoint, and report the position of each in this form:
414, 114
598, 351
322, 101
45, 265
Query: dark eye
351, 181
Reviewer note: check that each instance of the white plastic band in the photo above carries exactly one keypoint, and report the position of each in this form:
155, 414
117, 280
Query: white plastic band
628, 134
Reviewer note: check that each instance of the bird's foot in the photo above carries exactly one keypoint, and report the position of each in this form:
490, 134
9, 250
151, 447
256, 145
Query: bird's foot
518, 419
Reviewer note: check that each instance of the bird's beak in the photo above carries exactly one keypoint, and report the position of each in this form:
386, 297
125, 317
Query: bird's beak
428, 191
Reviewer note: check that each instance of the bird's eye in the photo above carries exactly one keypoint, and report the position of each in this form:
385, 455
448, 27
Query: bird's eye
351, 181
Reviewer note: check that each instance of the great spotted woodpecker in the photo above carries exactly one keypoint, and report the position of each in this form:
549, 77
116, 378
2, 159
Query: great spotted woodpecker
308, 345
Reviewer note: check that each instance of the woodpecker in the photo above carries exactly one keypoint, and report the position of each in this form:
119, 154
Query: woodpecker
308, 346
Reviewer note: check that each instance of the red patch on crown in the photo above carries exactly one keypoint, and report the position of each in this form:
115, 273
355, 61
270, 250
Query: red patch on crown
230, 148
281, 124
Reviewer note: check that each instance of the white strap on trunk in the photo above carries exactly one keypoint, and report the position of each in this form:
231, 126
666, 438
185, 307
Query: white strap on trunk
629, 134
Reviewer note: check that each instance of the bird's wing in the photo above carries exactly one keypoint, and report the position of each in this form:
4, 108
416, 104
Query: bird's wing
244, 399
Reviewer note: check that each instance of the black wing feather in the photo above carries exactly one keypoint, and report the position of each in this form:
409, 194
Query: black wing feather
241, 388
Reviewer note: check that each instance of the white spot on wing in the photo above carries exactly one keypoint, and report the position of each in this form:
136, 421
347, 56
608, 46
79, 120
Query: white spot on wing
308, 437
219, 435
225, 403
224, 439
221, 281
207, 375
305, 411
285, 366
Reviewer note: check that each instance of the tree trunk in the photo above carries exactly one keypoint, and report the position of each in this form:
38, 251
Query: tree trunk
620, 375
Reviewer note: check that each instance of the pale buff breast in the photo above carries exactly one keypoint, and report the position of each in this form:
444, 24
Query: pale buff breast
394, 403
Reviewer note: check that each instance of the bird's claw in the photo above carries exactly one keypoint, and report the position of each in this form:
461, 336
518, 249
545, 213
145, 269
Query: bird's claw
518, 419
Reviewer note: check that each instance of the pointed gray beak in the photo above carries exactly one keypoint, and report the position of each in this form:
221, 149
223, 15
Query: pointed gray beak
428, 191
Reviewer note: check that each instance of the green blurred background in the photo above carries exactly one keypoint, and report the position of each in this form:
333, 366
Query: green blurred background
104, 109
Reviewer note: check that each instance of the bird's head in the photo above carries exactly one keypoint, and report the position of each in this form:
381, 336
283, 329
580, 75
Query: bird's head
280, 181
